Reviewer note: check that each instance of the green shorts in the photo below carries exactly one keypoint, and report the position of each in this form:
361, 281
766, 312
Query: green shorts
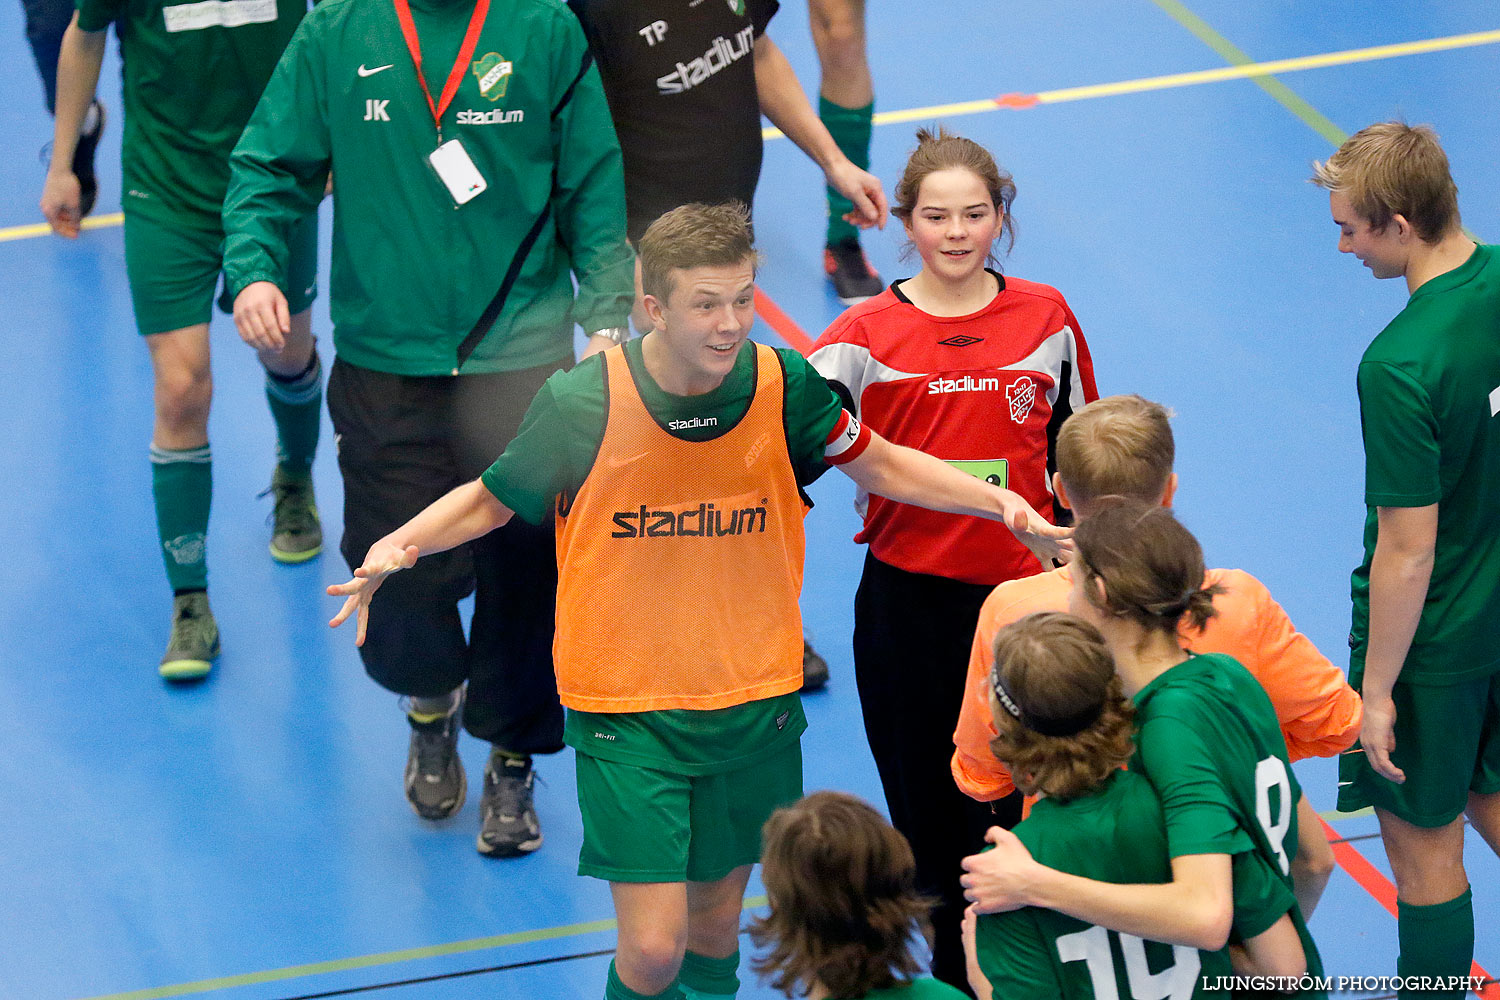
1448, 745
645, 825
173, 270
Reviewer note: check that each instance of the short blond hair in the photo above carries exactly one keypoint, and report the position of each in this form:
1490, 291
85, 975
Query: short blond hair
1392, 168
1116, 446
694, 235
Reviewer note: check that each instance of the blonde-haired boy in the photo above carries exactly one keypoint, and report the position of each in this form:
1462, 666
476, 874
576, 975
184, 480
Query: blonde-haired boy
1425, 642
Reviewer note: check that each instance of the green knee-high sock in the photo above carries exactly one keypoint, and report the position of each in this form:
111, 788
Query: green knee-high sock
705, 978
296, 406
850, 128
182, 485
1435, 940
616, 990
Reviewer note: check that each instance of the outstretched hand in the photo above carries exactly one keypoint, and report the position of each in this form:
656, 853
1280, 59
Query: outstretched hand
381, 561
1047, 541
996, 881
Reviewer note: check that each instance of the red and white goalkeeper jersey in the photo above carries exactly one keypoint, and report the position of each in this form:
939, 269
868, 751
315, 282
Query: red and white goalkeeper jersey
985, 392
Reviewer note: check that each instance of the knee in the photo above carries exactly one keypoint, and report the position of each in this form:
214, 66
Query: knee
1426, 877
183, 397
648, 960
715, 932
839, 33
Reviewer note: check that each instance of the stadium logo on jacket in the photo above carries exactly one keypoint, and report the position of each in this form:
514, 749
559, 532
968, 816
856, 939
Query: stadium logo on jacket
493, 71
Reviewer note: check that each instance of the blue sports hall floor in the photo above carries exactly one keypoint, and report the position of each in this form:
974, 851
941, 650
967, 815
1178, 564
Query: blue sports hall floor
247, 838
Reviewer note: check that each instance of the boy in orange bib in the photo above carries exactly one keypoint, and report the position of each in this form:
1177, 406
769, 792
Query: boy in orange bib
674, 467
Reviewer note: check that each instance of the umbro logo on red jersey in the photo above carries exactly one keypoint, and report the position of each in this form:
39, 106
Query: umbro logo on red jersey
962, 340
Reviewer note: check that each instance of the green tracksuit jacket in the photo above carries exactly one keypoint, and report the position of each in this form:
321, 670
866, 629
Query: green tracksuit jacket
418, 286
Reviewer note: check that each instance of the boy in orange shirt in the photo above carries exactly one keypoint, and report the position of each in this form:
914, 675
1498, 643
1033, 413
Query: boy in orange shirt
1122, 446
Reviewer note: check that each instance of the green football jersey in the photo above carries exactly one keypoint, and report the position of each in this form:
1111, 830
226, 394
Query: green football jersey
917, 989
1208, 740
554, 450
551, 456
1429, 405
1115, 833
193, 73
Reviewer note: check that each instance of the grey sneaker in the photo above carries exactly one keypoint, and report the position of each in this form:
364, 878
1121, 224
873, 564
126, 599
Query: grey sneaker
509, 824
435, 781
195, 639
296, 533
814, 668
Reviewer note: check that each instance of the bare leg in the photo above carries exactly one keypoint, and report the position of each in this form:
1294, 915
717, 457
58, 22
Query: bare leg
653, 919
838, 30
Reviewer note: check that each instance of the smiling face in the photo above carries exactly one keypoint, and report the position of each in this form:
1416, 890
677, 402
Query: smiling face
700, 326
1384, 251
953, 224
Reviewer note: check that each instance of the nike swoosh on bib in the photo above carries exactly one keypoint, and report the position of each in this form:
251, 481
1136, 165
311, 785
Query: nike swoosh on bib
371, 72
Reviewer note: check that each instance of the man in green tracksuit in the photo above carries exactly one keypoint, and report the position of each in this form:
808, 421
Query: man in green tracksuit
475, 167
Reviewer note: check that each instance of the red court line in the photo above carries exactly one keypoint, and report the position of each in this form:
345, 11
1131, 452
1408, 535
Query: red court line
1373, 881
784, 325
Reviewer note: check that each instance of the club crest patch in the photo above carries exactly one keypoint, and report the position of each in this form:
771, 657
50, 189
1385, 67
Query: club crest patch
738, 6
493, 71
1021, 394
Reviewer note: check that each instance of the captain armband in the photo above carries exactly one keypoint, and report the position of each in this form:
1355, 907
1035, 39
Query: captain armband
847, 441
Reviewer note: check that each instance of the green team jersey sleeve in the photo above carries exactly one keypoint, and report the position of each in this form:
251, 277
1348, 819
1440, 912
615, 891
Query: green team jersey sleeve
587, 186
279, 168
813, 410
562, 430
1403, 455
98, 15
552, 452
1200, 816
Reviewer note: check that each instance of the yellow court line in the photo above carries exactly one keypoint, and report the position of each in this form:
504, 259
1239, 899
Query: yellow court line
1250, 70
1370, 54
1271, 67
42, 229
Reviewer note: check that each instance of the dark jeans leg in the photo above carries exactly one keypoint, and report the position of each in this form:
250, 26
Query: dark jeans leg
912, 636
46, 20
512, 685
394, 456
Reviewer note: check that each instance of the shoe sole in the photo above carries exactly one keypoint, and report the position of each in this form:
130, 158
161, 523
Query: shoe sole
515, 851
434, 816
854, 300
293, 558
178, 671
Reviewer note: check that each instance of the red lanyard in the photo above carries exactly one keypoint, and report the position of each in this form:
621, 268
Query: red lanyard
455, 75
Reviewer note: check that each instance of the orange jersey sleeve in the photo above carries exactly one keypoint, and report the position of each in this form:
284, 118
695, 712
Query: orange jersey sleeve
978, 774
1319, 712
